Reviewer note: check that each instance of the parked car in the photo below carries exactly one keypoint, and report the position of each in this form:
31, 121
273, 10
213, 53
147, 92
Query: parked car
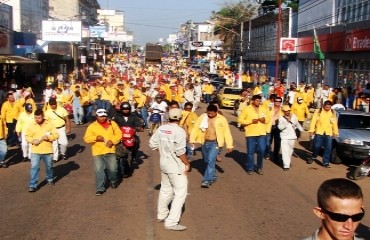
227, 95
353, 143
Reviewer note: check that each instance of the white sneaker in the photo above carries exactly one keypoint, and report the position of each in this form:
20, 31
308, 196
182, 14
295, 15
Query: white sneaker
177, 227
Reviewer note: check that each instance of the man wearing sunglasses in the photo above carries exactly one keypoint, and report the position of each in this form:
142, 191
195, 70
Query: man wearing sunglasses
340, 210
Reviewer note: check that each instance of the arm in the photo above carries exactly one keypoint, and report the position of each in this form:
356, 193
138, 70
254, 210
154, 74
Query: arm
313, 122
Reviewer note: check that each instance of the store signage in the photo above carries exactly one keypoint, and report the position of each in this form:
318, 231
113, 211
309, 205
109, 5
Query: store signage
288, 45
61, 31
197, 44
357, 40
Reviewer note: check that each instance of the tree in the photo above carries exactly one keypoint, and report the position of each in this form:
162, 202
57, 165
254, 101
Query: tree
229, 18
271, 5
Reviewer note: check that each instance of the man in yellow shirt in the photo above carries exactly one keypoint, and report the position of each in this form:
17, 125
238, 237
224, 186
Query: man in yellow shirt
212, 131
103, 135
207, 90
59, 117
325, 127
41, 134
187, 122
25, 119
254, 119
10, 111
300, 109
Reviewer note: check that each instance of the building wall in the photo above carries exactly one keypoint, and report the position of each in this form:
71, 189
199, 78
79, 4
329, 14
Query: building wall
315, 14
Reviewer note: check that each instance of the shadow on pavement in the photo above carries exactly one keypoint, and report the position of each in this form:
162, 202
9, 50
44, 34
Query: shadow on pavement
239, 157
74, 149
62, 170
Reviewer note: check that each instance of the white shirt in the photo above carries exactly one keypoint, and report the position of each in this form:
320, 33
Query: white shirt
162, 106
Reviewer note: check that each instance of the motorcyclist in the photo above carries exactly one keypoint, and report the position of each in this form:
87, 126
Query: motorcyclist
125, 118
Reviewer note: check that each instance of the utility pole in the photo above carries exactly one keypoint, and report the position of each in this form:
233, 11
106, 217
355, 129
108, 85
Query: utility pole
278, 33
189, 37
241, 55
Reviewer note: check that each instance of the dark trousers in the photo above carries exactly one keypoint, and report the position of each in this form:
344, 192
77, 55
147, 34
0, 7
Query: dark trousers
12, 135
275, 137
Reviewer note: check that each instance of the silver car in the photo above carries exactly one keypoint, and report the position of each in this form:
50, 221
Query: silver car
353, 143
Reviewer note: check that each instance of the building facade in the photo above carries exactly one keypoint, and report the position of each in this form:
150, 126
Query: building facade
343, 31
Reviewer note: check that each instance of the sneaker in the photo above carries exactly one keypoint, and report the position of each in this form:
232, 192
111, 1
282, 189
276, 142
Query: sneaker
4, 165
249, 172
63, 157
177, 227
25, 159
259, 171
32, 189
326, 165
113, 185
160, 220
310, 160
55, 161
205, 185
285, 169
99, 193
51, 183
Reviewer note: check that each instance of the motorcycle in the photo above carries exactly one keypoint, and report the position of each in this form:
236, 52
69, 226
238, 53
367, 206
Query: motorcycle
124, 150
362, 170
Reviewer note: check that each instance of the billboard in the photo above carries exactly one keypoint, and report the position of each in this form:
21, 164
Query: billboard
98, 31
61, 31
118, 37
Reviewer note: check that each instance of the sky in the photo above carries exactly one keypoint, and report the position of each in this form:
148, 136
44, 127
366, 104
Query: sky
150, 20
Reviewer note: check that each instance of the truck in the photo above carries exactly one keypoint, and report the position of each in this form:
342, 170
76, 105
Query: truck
153, 54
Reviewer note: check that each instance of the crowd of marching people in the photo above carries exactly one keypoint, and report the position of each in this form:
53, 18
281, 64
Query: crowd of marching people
137, 97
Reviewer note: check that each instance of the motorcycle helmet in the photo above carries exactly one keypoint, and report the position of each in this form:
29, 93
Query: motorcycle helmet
28, 107
125, 106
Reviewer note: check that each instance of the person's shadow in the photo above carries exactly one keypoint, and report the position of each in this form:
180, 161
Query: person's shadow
74, 149
62, 170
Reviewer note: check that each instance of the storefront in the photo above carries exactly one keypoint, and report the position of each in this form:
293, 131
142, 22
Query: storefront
347, 59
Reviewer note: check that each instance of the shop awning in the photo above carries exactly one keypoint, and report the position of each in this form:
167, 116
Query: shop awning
12, 59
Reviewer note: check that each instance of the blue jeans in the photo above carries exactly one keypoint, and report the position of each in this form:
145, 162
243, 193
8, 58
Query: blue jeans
35, 168
101, 162
210, 151
207, 98
88, 110
255, 143
144, 114
3, 150
322, 141
78, 114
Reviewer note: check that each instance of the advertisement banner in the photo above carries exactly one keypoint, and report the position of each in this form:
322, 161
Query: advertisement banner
98, 31
61, 31
117, 37
358, 40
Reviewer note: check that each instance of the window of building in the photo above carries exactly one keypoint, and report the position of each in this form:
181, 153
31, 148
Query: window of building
313, 72
352, 73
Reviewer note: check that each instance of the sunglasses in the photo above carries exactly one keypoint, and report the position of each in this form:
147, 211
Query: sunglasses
338, 217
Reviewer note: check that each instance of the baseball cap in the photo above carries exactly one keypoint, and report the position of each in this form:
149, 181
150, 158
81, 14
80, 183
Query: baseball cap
285, 108
52, 101
101, 112
175, 114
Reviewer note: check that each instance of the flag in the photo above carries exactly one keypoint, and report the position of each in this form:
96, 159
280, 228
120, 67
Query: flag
316, 46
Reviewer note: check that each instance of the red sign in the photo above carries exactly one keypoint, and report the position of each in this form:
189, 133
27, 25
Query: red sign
358, 40
288, 45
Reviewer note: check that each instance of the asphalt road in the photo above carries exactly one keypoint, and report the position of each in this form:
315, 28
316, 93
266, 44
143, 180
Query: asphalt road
276, 205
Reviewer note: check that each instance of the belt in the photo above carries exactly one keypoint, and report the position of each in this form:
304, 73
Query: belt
211, 140
61, 126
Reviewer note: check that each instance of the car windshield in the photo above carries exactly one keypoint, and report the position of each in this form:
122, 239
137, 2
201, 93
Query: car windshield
354, 122
234, 91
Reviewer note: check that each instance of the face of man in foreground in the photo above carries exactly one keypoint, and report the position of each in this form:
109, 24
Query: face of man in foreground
332, 229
